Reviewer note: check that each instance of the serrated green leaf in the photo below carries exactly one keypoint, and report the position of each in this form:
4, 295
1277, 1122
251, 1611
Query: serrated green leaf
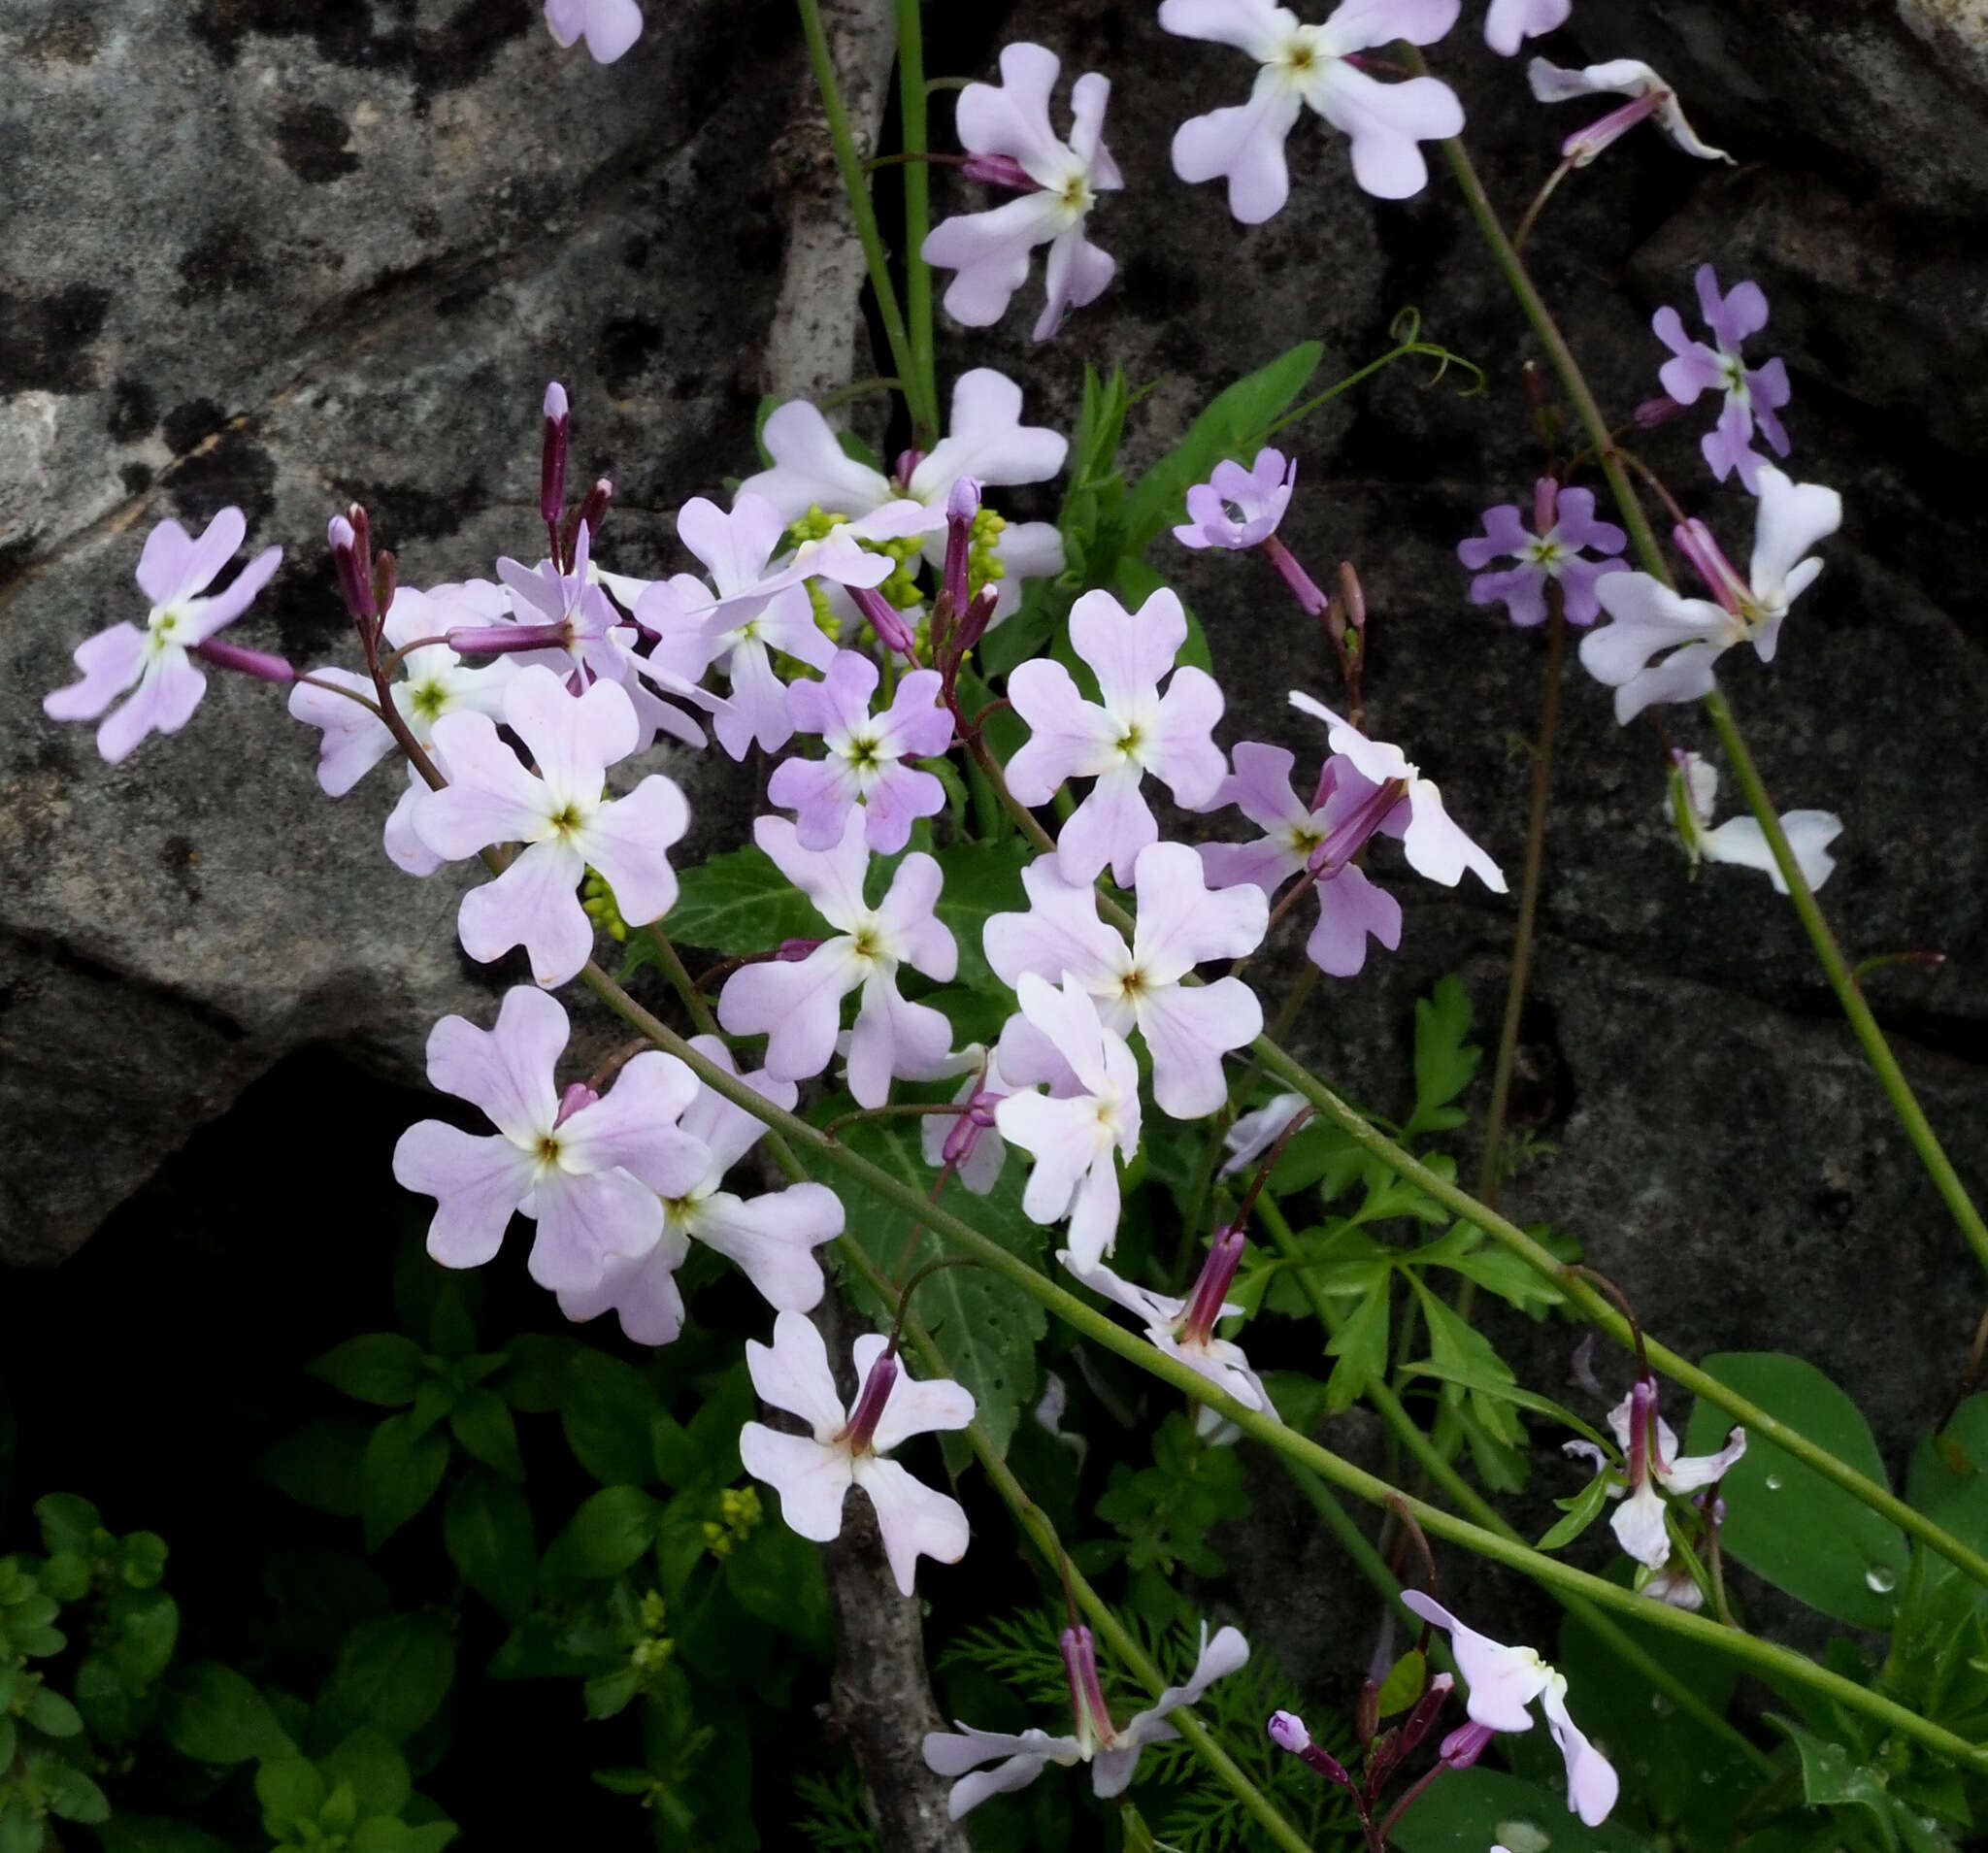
741, 903
1360, 1346
987, 1328
1783, 1520
486, 1527
1445, 1059
377, 1367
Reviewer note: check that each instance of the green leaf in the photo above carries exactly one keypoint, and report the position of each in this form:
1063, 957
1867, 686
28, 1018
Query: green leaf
404, 1464
154, 1833
608, 1408
608, 1694
1360, 1346
52, 1715
1469, 1809
70, 1795
1497, 1386
70, 1522
65, 1575
1445, 1059
741, 903
1948, 1477
390, 1674
1461, 1355
1164, 1512
1403, 1683
322, 1465
981, 878
777, 1577
534, 1381
212, 1714
482, 1424
376, 1769
290, 1791
1581, 1510
340, 1813
1231, 426
140, 1629
378, 1366
611, 1531
486, 1526
1783, 1520
987, 1328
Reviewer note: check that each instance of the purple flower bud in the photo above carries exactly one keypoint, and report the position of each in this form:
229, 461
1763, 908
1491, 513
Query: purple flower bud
1428, 1708
972, 624
345, 534
1300, 583
1654, 413
1287, 1732
553, 455
961, 506
1212, 1286
386, 577
1465, 1745
999, 169
974, 1120
593, 507
885, 619
577, 1095
869, 1402
260, 664
1583, 144
508, 640
906, 465
1696, 542
1545, 505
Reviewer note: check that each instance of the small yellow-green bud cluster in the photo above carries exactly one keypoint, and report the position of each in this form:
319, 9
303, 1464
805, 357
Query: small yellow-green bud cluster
651, 1653
598, 899
983, 564
739, 1516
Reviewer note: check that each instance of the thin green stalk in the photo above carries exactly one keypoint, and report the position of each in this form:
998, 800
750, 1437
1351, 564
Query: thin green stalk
913, 99
1602, 1314
1770, 1662
1877, 1051
1036, 1525
1468, 1500
849, 164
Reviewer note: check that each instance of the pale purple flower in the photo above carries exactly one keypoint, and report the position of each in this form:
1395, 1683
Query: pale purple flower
1254, 1133
1311, 64
1136, 731
1237, 507
1179, 925
813, 1473
971, 1143
1504, 1681
1321, 840
1648, 96
609, 26
864, 762
1753, 395
589, 1169
985, 442
799, 1007
434, 681
153, 665
1649, 1445
1789, 520
1695, 784
1006, 128
1184, 1329
1566, 528
1112, 1753
1508, 21
1433, 842
565, 615
771, 1238
561, 815
1091, 1109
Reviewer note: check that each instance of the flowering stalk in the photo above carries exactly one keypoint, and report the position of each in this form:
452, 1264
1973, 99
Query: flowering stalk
1771, 1662
1829, 954
921, 399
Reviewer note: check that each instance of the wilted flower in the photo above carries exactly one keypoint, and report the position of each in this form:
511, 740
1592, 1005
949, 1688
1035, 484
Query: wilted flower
1694, 784
1648, 96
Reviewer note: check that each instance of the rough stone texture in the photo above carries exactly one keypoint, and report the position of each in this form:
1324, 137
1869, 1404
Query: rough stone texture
352, 268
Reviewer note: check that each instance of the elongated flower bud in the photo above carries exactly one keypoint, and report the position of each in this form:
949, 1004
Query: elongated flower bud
552, 457
260, 664
869, 1402
885, 619
1086, 1695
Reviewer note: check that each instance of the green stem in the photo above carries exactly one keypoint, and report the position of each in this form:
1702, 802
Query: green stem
1603, 1314
1528, 908
849, 164
1890, 1077
1775, 1664
913, 99
1468, 1500
1400, 353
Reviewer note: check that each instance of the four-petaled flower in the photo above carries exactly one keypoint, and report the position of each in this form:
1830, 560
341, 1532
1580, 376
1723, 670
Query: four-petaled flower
1319, 839
1650, 617
1091, 1109
1238, 508
609, 26
865, 759
1186, 1329
813, 1473
1566, 524
562, 816
1305, 64
986, 443
1648, 96
1508, 21
591, 1168
1433, 842
1136, 731
1005, 128
799, 1007
1753, 394
1504, 1681
1695, 784
1112, 1753
771, 1238
1179, 925
173, 570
